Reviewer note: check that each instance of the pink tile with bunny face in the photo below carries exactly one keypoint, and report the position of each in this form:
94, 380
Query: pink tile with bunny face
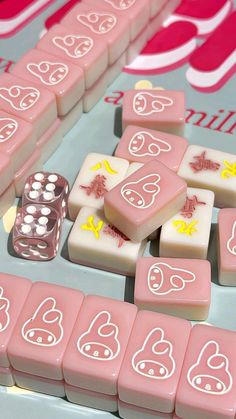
61, 77
136, 11
80, 48
145, 200
16, 139
96, 349
103, 25
13, 293
227, 246
153, 361
43, 330
28, 101
6, 172
207, 384
179, 287
142, 145
155, 109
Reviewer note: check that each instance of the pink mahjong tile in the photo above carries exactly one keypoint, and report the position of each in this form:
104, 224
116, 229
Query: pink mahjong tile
96, 349
6, 172
227, 246
6, 199
103, 25
33, 164
130, 411
6, 377
61, 77
79, 48
39, 384
13, 293
154, 109
153, 361
28, 101
92, 399
95, 93
142, 145
207, 384
17, 139
180, 287
136, 11
43, 330
157, 6
50, 140
145, 200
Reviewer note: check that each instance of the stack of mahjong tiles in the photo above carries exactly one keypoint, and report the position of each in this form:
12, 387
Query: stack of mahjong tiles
103, 353
155, 183
64, 75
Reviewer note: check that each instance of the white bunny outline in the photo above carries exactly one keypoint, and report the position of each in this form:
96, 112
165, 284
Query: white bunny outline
66, 43
120, 7
150, 183
19, 89
87, 15
10, 120
156, 97
233, 235
149, 153
43, 317
217, 352
48, 64
7, 302
170, 346
89, 330
171, 278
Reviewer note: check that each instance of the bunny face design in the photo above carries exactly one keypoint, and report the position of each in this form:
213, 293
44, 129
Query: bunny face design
100, 341
154, 360
98, 22
231, 243
49, 73
74, 46
8, 128
44, 328
20, 98
146, 103
121, 4
210, 374
142, 193
145, 144
4, 311
164, 279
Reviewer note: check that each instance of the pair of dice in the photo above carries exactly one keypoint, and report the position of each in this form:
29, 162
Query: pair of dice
37, 228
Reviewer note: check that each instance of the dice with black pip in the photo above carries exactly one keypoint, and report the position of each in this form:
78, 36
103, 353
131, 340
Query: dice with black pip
37, 228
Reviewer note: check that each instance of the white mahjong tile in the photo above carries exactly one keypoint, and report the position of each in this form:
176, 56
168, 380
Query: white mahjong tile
211, 169
99, 173
187, 234
96, 243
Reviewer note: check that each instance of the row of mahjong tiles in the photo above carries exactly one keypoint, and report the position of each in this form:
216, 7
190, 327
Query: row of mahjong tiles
66, 73
151, 196
102, 353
